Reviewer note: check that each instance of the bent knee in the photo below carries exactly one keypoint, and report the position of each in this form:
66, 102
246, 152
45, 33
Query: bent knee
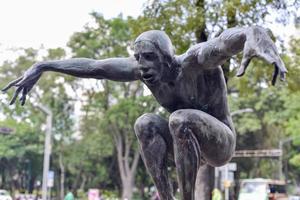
149, 124
218, 162
187, 116
177, 119
144, 121
182, 122
220, 156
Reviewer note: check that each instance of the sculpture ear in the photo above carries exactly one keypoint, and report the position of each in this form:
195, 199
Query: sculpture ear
168, 61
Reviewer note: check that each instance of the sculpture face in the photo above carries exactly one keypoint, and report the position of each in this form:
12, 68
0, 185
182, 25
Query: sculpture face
150, 61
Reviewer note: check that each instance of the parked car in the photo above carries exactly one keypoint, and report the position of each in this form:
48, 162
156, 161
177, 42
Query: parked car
262, 189
294, 197
4, 195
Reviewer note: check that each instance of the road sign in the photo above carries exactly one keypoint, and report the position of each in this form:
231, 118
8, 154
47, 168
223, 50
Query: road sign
258, 153
232, 167
50, 182
227, 183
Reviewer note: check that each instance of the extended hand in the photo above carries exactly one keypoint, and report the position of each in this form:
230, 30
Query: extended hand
24, 83
259, 44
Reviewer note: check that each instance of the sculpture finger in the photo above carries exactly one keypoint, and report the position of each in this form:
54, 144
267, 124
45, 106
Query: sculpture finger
282, 72
282, 76
13, 100
12, 83
244, 64
280, 65
29, 88
275, 74
23, 81
23, 97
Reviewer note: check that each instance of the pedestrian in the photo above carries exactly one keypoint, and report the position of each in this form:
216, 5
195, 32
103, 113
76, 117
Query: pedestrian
216, 194
69, 195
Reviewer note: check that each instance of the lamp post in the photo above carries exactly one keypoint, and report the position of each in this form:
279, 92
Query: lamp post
47, 149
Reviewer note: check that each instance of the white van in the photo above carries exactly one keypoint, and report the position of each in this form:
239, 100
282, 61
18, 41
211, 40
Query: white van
262, 189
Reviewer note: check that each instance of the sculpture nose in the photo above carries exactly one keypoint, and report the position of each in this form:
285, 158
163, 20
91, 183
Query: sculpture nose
141, 59
144, 68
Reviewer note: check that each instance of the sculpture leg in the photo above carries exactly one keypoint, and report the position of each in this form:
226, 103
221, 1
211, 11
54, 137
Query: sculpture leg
156, 143
196, 132
187, 157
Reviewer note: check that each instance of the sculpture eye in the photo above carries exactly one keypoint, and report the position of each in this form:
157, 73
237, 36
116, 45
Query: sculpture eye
137, 56
150, 56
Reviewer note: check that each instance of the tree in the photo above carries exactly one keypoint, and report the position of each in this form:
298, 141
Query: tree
116, 104
119, 122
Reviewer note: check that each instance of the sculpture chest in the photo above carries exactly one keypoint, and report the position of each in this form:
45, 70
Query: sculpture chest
185, 93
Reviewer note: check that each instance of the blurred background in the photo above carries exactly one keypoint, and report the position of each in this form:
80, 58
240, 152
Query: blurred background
85, 126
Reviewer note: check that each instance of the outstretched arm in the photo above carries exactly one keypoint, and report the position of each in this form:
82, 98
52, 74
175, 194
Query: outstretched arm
253, 41
117, 69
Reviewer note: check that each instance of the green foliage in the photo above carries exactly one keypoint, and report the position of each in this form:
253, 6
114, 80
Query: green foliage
21, 141
295, 161
108, 38
128, 110
179, 19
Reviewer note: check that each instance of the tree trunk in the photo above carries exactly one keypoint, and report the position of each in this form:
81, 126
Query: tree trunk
127, 187
128, 176
82, 185
127, 169
77, 179
204, 182
62, 177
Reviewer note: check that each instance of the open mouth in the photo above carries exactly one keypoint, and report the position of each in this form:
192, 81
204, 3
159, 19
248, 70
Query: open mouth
150, 78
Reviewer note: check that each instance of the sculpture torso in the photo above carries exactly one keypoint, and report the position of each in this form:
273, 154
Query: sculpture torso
198, 89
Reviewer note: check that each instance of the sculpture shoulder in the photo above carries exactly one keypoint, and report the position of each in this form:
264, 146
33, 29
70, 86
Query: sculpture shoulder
204, 55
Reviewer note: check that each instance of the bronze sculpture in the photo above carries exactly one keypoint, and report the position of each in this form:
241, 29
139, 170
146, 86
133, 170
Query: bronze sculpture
190, 86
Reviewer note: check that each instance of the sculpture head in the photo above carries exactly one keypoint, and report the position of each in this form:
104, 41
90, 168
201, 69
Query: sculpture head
154, 52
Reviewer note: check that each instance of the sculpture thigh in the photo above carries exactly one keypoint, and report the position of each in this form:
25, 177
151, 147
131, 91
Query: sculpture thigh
156, 145
197, 135
216, 140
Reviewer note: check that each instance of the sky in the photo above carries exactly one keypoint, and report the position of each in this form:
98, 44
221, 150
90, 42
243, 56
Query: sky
32, 23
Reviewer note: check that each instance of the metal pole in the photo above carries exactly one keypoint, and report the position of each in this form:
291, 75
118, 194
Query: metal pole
47, 150
280, 161
216, 185
226, 179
